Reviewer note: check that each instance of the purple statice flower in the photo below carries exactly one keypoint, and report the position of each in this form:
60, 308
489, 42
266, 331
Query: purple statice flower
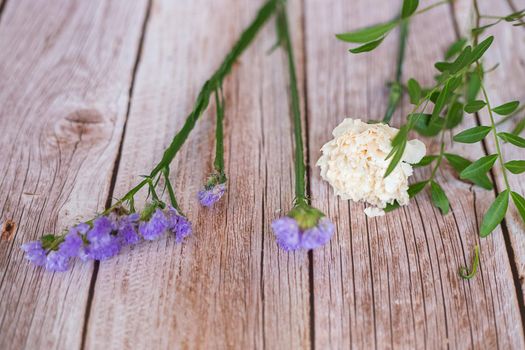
103, 244
155, 227
35, 253
210, 195
287, 233
57, 261
178, 224
318, 235
290, 236
72, 243
127, 228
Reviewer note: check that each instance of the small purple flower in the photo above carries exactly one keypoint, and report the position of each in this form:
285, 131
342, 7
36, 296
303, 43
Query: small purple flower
287, 232
155, 227
35, 253
102, 243
209, 196
127, 228
318, 235
72, 243
57, 261
178, 224
290, 236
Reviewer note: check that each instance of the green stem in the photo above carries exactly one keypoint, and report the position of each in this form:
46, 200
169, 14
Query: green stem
494, 130
219, 135
430, 7
300, 167
396, 90
265, 12
171, 192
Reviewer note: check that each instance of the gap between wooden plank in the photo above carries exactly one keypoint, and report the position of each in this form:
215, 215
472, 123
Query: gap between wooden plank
96, 266
504, 228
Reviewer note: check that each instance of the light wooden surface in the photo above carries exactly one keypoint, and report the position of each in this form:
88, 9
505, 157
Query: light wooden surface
92, 91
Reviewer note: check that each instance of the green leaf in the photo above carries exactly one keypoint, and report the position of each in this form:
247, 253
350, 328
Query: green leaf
367, 34
519, 202
396, 158
459, 164
464, 272
368, 46
444, 95
495, 214
426, 160
515, 16
479, 167
472, 135
439, 198
455, 48
520, 126
515, 166
454, 115
511, 138
473, 87
474, 106
479, 30
461, 61
414, 91
409, 7
480, 49
424, 124
415, 188
506, 108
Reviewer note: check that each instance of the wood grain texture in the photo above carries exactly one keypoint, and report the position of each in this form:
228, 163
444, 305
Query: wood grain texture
63, 102
392, 282
502, 86
229, 286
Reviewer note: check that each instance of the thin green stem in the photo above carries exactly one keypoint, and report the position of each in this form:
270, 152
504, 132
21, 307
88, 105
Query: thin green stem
265, 12
300, 167
494, 130
171, 192
396, 91
430, 7
219, 135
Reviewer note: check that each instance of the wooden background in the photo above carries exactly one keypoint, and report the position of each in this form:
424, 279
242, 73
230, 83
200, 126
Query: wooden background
91, 92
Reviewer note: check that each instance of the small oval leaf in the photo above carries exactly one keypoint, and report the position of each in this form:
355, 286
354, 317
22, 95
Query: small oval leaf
480, 49
439, 197
426, 160
472, 135
511, 138
367, 34
409, 7
519, 202
414, 91
506, 108
479, 167
474, 106
495, 214
515, 166
368, 46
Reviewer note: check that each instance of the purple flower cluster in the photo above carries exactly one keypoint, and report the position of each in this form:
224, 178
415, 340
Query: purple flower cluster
105, 238
290, 236
210, 195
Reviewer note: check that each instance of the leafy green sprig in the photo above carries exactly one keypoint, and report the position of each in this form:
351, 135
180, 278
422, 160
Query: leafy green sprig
458, 83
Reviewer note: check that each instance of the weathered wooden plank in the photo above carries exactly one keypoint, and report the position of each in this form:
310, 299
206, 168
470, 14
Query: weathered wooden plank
229, 286
503, 85
392, 282
66, 69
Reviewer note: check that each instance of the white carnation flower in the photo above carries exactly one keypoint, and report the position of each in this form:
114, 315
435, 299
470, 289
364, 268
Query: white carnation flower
354, 164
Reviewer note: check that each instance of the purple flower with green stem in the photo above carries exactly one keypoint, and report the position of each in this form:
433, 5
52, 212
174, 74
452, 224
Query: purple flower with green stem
216, 184
304, 227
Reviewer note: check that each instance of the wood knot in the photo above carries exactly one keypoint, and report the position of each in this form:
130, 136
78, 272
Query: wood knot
81, 125
85, 116
8, 230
